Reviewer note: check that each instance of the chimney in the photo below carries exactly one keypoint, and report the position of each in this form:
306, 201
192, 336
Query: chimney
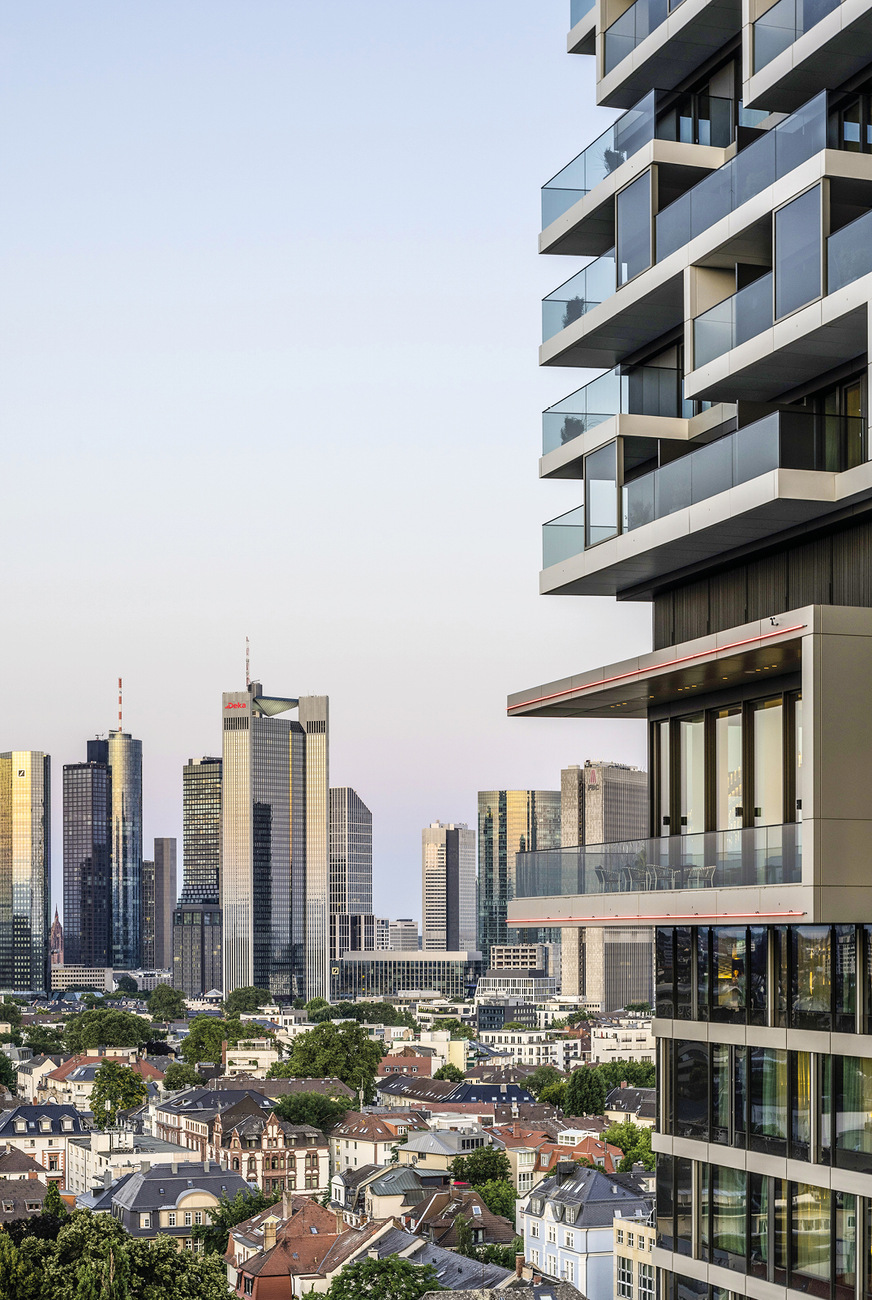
286, 1203
206, 1165
144, 1166
174, 1166
623, 1083
269, 1235
519, 1266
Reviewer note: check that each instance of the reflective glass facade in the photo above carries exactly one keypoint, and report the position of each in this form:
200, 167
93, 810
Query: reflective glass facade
509, 822
448, 889
87, 865
25, 858
350, 858
123, 757
201, 830
382, 975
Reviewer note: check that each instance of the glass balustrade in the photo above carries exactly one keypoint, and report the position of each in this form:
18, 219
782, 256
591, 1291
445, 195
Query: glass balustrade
578, 9
849, 253
578, 295
647, 390
783, 24
782, 440
759, 855
733, 321
563, 537
634, 24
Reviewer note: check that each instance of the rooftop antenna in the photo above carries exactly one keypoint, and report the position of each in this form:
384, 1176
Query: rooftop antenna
120, 728
247, 656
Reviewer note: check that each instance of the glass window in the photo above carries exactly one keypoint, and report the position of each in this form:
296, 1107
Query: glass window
729, 1197
729, 953
798, 253
758, 1201
854, 1113
740, 1097
721, 1091
683, 1206
781, 1236
633, 232
625, 1278
845, 990
703, 966
691, 1075
663, 776
705, 1210
768, 1100
768, 764
646, 1282
797, 754
665, 1203
811, 1239
800, 1105
684, 952
692, 774
728, 769
846, 1245
758, 975
665, 995
601, 493
811, 980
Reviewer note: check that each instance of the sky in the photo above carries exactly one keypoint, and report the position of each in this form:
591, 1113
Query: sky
269, 317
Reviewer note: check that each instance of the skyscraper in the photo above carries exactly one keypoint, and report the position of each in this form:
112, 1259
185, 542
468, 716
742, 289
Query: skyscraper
158, 901
350, 871
449, 915
509, 822
727, 480
87, 864
402, 935
25, 871
197, 951
56, 941
123, 757
275, 876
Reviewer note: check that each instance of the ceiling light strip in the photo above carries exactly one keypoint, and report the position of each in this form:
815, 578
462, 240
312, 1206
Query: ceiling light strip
668, 663
650, 916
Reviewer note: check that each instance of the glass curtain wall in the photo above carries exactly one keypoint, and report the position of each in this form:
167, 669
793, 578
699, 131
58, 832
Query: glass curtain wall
692, 774
601, 494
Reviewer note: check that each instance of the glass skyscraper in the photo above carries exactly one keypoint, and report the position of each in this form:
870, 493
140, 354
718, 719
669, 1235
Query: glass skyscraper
509, 822
448, 889
25, 855
158, 901
350, 872
123, 756
197, 949
87, 865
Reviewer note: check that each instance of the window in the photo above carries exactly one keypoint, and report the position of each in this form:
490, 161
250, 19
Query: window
569, 1270
249, 1286
198, 1216
798, 254
552, 1232
534, 1258
728, 1195
810, 1238
171, 1219
728, 769
551, 1265
768, 763
633, 226
569, 1240
630, 1240
619, 1236
646, 1281
625, 1278
768, 1100
811, 977
692, 774
601, 494
534, 1229
33, 1207
188, 1218
691, 1090
145, 1220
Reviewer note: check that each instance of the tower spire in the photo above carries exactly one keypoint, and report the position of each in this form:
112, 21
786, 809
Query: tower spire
120, 728
247, 663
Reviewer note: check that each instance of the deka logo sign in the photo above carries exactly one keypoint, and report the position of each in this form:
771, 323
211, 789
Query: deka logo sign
241, 705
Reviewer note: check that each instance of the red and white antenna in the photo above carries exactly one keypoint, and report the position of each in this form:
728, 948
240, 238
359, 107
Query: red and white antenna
120, 728
247, 664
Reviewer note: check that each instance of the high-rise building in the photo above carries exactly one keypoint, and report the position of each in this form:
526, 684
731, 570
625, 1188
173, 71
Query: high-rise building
601, 803
158, 901
350, 873
56, 941
382, 932
88, 864
402, 935
122, 755
509, 822
724, 461
275, 868
449, 914
25, 871
197, 960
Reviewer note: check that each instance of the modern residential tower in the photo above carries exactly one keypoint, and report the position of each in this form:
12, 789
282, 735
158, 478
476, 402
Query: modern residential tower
25, 869
448, 887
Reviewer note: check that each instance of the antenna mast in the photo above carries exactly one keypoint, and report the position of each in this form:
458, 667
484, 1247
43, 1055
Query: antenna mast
120, 728
247, 672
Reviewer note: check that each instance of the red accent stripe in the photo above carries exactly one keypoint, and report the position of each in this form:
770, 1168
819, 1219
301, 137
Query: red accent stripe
667, 663
652, 916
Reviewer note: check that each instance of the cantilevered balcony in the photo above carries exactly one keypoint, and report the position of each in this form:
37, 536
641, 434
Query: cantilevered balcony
582, 24
797, 47
752, 856
661, 43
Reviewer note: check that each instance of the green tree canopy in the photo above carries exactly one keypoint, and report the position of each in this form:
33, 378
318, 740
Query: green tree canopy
102, 1028
449, 1072
643, 1008
246, 1001
456, 1027
127, 984
554, 1095
544, 1076
371, 1013
638, 1074
227, 1213
10, 1012
116, 1087
311, 1108
54, 1203
166, 1003
485, 1165
44, 1041
390, 1278
207, 1033
336, 1051
8, 1074
635, 1142
585, 1092
182, 1075
499, 1197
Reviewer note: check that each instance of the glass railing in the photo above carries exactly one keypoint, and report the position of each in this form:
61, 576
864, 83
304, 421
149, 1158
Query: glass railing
783, 24
647, 390
733, 321
760, 855
777, 152
578, 295
782, 440
578, 9
849, 253
563, 537
690, 119
634, 24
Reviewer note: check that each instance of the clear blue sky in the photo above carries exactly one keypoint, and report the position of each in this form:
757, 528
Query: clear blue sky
268, 330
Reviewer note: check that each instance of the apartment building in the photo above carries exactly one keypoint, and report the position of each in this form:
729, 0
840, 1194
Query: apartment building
634, 1276
623, 1040
723, 458
534, 1047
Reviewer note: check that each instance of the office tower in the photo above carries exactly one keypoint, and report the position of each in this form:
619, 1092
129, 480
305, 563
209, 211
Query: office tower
25, 871
158, 901
601, 803
448, 887
725, 469
56, 941
197, 960
122, 755
275, 870
350, 873
402, 935
382, 932
509, 822
88, 864
198, 955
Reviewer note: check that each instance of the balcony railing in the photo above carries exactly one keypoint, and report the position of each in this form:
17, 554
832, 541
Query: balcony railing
647, 390
588, 288
733, 321
760, 855
782, 440
777, 152
849, 253
563, 537
691, 119
578, 9
634, 24
783, 24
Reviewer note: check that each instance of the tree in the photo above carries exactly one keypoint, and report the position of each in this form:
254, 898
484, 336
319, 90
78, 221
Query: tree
8, 1074
517, 1026
317, 1004
101, 1028
642, 1008
227, 1213
43, 1041
499, 1197
53, 1203
166, 1003
449, 1072
456, 1027
635, 1142
182, 1075
206, 1035
246, 1001
585, 1092
544, 1076
638, 1074
390, 1278
554, 1095
116, 1087
485, 1165
127, 984
311, 1108
502, 1256
10, 1013
337, 1051
465, 1244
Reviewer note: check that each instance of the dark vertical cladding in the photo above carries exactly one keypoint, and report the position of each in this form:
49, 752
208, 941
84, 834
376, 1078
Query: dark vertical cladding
87, 864
123, 756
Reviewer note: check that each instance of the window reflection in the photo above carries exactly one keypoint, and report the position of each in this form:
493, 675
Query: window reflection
768, 763
692, 774
729, 954
811, 1245
601, 494
728, 768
